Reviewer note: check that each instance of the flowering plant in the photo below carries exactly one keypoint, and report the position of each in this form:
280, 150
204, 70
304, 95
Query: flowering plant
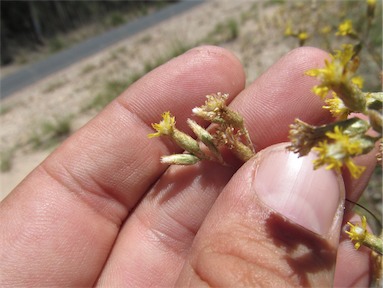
356, 129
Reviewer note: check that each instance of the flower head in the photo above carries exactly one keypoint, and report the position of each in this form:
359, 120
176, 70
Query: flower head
321, 91
303, 36
165, 127
371, 4
213, 108
338, 75
358, 233
289, 29
302, 136
345, 55
345, 28
216, 111
327, 76
325, 30
336, 70
338, 150
337, 108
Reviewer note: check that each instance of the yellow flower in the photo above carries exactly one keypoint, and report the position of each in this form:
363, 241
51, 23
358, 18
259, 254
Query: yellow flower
321, 91
361, 236
337, 108
289, 29
345, 55
358, 233
165, 127
332, 162
350, 147
338, 151
327, 75
338, 75
355, 170
303, 36
371, 4
326, 29
345, 28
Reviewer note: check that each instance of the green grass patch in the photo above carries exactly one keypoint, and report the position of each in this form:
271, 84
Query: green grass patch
274, 2
54, 85
50, 133
117, 53
176, 49
87, 69
6, 158
4, 109
57, 44
112, 88
146, 39
114, 19
223, 32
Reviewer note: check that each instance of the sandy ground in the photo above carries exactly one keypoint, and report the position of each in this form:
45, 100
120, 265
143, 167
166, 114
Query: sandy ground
69, 91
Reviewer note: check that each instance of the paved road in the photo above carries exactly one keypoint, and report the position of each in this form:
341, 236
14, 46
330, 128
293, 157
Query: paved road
37, 71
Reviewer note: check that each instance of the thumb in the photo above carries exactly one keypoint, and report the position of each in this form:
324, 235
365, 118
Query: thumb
276, 224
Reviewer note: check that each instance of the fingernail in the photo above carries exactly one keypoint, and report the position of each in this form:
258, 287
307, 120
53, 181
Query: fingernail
290, 186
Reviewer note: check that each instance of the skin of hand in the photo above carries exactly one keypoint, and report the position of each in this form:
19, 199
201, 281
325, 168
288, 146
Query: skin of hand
102, 210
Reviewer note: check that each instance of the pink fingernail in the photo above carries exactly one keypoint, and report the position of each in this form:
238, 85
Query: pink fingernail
290, 186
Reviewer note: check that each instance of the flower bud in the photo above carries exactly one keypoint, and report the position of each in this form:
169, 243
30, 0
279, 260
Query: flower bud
188, 143
376, 120
361, 236
371, 4
206, 138
180, 159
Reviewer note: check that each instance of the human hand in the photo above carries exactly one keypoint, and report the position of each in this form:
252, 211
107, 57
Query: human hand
102, 210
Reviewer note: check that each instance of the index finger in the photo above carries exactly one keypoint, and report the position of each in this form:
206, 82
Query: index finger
60, 223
